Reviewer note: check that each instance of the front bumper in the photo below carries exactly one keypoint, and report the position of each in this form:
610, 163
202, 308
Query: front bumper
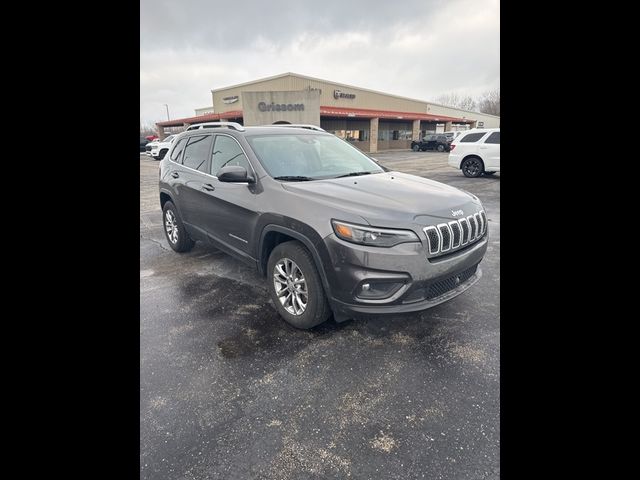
421, 282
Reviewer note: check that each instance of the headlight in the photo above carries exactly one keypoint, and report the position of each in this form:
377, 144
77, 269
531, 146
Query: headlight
375, 237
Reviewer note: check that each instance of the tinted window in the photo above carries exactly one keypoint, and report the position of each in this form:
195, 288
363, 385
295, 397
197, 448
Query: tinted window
227, 152
197, 152
493, 138
472, 137
177, 150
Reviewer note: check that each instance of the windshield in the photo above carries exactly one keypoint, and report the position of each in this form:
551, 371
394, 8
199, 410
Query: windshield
310, 156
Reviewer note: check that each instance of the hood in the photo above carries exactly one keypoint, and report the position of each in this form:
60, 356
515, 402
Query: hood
392, 198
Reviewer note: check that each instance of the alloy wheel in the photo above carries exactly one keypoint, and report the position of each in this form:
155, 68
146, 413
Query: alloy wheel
290, 286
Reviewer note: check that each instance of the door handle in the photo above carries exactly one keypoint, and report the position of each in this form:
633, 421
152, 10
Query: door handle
175, 174
208, 187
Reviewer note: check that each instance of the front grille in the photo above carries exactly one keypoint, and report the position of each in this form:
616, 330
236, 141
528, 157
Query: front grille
456, 234
443, 286
148, 149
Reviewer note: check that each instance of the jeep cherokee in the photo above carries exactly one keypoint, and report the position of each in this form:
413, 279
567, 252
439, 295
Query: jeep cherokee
331, 229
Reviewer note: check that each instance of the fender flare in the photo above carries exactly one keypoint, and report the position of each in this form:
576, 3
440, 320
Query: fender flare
305, 241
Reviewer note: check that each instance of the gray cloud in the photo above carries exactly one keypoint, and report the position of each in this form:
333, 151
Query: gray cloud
414, 48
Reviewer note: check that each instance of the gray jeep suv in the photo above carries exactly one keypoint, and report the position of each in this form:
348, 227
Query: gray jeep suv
332, 231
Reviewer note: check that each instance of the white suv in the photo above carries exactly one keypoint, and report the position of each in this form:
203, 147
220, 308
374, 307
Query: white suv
476, 151
159, 148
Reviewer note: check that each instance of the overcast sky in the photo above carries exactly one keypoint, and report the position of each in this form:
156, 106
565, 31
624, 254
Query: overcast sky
414, 48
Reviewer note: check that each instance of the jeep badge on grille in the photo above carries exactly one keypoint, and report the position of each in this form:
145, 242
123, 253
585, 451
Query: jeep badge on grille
457, 213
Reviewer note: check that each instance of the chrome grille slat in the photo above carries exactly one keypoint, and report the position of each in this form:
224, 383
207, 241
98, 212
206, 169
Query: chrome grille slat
457, 234
446, 237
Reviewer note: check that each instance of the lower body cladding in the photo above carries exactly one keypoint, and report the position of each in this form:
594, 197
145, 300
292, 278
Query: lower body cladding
374, 280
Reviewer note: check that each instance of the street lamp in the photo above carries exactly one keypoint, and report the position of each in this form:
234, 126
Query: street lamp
167, 106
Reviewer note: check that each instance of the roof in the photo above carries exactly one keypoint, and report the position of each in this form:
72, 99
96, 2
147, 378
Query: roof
286, 74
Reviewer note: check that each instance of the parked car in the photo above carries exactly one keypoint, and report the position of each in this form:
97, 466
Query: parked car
151, 138
431, 142
452, 135
332, 231
159, 148
476, 152
143, 144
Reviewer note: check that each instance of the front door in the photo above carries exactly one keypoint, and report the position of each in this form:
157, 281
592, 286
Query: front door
231, 207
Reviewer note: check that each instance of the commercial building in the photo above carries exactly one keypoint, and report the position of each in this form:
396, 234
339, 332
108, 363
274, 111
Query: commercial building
373, 121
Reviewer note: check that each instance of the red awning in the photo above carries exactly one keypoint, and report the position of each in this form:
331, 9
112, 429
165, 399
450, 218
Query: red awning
365, 113
326, 112
209, 117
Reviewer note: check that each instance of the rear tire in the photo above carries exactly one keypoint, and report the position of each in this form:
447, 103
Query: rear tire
174, 230
441, 148
295, 286
472, 167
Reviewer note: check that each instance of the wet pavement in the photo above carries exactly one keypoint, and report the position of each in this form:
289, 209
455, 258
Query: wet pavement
229, 391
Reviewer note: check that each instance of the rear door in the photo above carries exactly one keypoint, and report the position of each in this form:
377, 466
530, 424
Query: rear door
490, 149
193, 179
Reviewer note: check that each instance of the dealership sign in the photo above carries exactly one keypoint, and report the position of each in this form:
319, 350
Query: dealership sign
338, 94
280, 107
232, 99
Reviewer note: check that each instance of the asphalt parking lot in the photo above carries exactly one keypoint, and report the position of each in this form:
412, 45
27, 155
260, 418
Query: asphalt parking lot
229, 391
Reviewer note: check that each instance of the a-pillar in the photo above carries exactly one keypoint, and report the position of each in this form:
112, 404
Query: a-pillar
373, 135
415, 135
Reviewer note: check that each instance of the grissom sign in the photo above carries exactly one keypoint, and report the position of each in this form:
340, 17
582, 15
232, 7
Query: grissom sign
280, 107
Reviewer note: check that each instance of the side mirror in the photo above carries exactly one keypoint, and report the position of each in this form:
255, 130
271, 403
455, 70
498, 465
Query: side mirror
234, 174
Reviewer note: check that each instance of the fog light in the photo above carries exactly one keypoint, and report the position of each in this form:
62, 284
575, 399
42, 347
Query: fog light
378, 290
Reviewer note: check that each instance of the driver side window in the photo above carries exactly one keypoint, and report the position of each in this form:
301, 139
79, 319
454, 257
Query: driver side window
226, 152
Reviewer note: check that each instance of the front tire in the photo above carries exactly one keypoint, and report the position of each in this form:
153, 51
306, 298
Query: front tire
162, 154
174, 230
295, 286
472, 167
415, 148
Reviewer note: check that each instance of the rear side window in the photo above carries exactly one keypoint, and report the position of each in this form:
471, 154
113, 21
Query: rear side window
196, 152
472, 137
227, 152
493, 138
176, 154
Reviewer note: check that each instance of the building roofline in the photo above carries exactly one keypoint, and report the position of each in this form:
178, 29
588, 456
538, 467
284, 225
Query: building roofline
348, 86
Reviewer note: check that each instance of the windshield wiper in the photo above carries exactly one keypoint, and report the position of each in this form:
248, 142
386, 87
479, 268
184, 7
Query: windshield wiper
294, 178
354, 174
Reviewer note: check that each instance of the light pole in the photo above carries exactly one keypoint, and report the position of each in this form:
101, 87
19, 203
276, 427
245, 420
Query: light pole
167, 106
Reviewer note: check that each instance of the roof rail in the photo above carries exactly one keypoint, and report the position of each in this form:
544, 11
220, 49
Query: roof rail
297, 125
234, 125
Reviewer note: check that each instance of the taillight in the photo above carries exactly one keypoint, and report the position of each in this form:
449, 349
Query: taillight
452, 146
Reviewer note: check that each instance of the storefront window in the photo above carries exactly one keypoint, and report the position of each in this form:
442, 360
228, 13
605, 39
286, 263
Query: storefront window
352, 135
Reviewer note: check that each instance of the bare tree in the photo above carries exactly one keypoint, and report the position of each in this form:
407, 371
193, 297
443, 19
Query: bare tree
464, 102
489, 102
148, 128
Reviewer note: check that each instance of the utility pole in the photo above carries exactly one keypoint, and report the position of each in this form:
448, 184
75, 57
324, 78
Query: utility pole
167, 106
